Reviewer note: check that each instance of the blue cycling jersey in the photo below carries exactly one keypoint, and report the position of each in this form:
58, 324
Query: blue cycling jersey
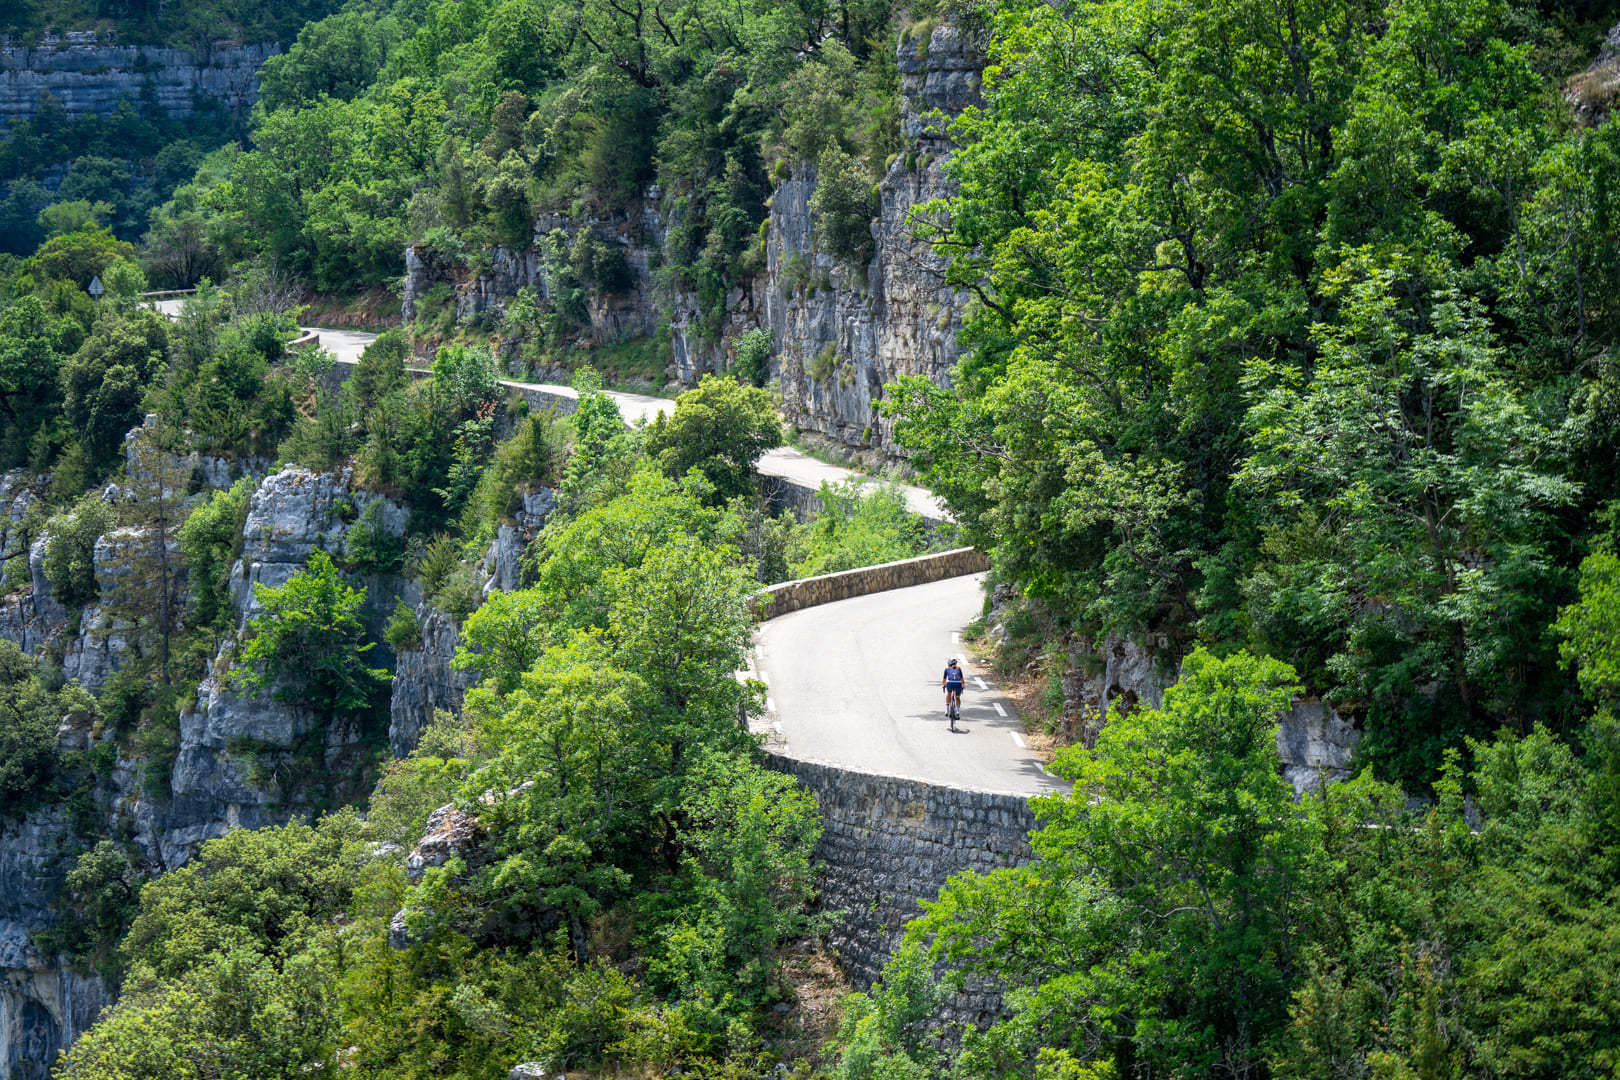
953, 678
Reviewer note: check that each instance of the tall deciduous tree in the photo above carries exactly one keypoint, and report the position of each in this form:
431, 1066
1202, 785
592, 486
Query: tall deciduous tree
306, 643
721, 428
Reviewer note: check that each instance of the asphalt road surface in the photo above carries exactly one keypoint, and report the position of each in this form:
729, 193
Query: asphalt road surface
856, 683
343, 344
806, 470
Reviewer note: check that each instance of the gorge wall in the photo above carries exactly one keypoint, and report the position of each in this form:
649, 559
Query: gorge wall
840, 332
87, 77
234, 750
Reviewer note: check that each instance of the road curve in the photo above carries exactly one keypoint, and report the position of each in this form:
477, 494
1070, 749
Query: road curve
635, 408
856, 683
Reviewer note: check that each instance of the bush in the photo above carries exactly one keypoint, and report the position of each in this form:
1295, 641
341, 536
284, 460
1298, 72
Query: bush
209, 541
842, 205
754, 355
259, 889
530, 456
403, 631
28, 719
70, 551
306, 642
859, 525
720, 428
371, 548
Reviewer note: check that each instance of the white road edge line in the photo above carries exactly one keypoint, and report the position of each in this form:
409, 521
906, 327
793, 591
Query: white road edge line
980, 683
770, 706
1019, 739
999, 710
956, 637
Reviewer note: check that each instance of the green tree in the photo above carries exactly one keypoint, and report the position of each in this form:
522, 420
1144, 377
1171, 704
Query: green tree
30, 343
146, 562
305, 643
754, 355
1161, 925
210, 540
1410, 432
721, 428
70, 564
265, 891
842, 205
104, 382
28, 719
240, 1014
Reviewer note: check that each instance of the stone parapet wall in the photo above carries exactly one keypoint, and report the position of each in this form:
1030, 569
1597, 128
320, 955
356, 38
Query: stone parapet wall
810, 592
888, 842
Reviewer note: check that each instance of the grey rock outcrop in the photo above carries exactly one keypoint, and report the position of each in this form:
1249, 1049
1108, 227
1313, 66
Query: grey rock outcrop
425, 681
1315, 745
841, 333
632, 312
232, 736
194, 470
90, 78
44, 1004
1592, 93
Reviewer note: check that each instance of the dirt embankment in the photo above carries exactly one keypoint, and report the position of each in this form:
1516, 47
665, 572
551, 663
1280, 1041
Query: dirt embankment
375, 309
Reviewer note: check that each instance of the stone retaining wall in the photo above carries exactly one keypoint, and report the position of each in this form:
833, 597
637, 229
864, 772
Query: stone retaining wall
789, 596
888, 842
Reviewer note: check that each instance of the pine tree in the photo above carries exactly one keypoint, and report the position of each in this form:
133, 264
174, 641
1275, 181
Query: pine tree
145, 560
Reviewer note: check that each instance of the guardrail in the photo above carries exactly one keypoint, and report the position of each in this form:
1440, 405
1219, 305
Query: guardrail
306, 341
163, 294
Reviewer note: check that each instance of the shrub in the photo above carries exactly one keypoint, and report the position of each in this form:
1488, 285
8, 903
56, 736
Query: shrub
529, 456
70, 551
842, 205
370, 546
403, 631
720, 428
306, 641
754, 355
28, 719
209, 541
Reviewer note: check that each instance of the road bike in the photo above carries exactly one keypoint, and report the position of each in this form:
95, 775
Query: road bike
953, 707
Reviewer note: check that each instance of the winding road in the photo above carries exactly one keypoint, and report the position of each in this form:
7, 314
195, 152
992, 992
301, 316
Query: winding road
855, 683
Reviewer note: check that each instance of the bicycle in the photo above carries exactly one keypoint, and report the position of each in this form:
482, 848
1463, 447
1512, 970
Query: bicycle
953, 707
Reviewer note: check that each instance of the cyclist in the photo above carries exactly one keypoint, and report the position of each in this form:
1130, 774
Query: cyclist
952, 682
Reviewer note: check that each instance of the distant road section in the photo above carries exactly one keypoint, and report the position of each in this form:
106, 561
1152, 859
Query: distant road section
785, 462
856, 683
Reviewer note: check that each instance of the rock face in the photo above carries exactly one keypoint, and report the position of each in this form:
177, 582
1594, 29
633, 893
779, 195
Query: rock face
91, 78
425, 681
842, 332
1592, 94
44, 1005
232, 737
630, 312
232, 745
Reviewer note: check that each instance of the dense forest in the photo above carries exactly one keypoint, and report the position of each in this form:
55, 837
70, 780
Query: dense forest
1289, 342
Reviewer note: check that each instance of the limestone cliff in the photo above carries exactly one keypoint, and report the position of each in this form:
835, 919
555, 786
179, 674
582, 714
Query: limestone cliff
214, 784
840, 332
93, 78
